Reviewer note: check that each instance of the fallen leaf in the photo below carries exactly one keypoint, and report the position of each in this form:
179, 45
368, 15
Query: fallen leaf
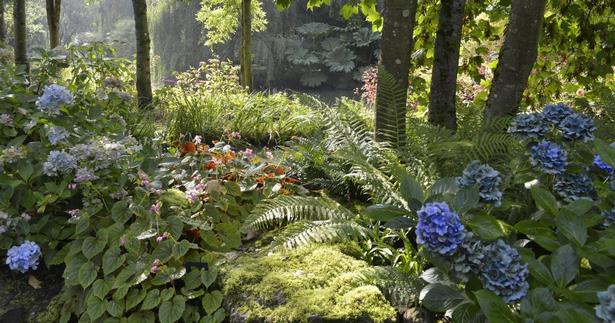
35, 283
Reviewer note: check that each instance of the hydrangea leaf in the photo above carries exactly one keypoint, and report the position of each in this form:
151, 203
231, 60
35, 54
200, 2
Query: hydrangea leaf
545, 200
494, 307
440, 298
564, 265
488, 227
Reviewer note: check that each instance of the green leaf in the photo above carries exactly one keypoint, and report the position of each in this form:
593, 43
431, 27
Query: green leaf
409, 187
494, 307
209, 276
175, 197
538, 301
134, 298
115, 308
488, 227
167, 294
142, 317
572, 226
112, 260
151, 300
180, 249
384, 212
537, 269
87, 274
212, 301
444, 186
92, 246
466, 199
539, 233
95, 307
564, 265
400, 223
606, 153
545, 200
171, 311
580, 206
440, 298
120, 212
192, 279
101, 288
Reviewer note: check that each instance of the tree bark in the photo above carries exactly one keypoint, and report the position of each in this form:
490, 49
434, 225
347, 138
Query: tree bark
443, 93
19, 20
396, 45
246, 45
144, 82
517, 57
53, 21
2, 24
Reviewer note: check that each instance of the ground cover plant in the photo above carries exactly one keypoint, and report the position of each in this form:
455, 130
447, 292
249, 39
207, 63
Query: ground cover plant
470, 179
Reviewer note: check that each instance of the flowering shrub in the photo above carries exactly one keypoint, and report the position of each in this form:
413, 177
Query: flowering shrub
54, 96
556, 113
531, 125
23, 257
577, 127
549, 157
487, 179
504, 273
439, 228
606, 309
572, 187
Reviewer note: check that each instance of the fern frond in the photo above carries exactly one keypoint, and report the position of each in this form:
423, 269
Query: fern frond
304, 233
391, 106
286, 209
400, 288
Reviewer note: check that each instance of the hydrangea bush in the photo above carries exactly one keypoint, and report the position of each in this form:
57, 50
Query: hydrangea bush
554, 263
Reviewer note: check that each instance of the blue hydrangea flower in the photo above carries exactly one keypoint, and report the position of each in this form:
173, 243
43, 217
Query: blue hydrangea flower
606, 309
23, 257
468, 258
529, 125
53, 97
555, 113
488, 180
609, 217
439, 229
84, 174
600, 164
577, 127
550, 157
59, 162
572, 187
57, 135
503, 272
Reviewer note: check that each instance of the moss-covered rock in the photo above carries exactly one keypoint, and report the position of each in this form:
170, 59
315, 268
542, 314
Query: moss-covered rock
308, 284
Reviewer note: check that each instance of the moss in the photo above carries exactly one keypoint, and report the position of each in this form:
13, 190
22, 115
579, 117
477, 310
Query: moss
318, 281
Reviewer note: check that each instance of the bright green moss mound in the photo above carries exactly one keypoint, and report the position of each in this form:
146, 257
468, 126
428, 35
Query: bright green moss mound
301, 284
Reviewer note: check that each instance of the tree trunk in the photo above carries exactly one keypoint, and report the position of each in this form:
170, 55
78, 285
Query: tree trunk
517, 57
19, 20
144, 82
396, 45
53, 21
443, 93
2, 25
246, 44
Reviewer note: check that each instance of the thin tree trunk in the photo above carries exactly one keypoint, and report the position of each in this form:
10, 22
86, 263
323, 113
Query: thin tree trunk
443, 94
246, 44
144, 83
2, 24
396, 45
19, 20
53, 21
517, 57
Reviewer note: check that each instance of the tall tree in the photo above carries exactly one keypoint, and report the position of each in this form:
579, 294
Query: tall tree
396, 46
144, 82
2, 24
53, 21
19, 21
246, 44
443, 94
517, 57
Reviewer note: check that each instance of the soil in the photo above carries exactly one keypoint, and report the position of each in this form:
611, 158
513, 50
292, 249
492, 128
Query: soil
20, 302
